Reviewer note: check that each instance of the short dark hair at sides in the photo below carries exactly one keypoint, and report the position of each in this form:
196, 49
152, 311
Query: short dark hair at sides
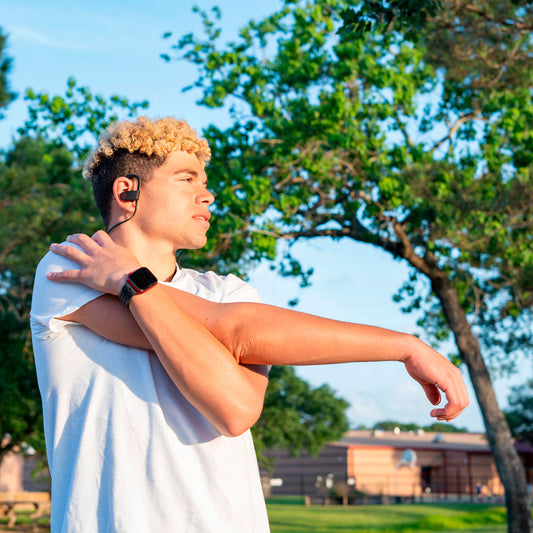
139, 148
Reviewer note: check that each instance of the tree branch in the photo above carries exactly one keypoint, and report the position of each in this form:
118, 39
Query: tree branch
513, 23
455, 127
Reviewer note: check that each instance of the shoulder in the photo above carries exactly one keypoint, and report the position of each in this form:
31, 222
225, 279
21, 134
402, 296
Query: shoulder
227, 288
51, 299
55, 263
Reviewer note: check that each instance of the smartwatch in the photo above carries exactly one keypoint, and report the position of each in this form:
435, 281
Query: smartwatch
138, 281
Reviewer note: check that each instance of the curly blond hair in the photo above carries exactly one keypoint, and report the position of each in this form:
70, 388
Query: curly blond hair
138, 148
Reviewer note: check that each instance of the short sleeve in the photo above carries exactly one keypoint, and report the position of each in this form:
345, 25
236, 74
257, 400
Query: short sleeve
53, 299
237, 290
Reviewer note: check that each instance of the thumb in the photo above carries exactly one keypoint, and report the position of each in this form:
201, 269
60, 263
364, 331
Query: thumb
432, 393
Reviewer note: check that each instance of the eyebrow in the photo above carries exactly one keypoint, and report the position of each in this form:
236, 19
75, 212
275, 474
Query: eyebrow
194, 173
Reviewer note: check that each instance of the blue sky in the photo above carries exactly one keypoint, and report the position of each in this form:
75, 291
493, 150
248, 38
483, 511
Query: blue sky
113, 47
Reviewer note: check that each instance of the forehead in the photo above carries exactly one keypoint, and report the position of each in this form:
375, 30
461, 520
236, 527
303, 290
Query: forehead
179, 161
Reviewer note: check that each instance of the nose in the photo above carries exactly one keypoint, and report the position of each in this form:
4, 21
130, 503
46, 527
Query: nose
205, 196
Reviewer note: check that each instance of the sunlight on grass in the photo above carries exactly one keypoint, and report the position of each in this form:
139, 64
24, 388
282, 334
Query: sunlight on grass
291, 516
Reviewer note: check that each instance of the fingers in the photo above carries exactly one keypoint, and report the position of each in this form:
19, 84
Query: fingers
457, 400
74, 254
438, 376
456, 395
70, 252
432, 393
104, 265
448, 412
82, 240
101, 237
86, 243
72, 276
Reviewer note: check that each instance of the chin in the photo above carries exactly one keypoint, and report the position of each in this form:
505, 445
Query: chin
195, 245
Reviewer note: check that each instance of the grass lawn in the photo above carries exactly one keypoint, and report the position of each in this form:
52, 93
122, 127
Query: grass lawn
289, 515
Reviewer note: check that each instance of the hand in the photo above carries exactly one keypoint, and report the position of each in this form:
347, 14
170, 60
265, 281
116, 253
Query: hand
435, 373
104, 265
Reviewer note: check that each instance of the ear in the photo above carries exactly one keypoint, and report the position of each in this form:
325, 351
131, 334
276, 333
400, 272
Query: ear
121, 187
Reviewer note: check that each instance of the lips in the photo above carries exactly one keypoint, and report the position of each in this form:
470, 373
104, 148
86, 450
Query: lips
203, 218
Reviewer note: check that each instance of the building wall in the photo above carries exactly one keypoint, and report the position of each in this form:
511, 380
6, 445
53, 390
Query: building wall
484, 475
379, 470
308, 475
365, 468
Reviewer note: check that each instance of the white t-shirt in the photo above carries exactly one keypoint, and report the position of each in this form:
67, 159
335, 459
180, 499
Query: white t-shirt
127, 452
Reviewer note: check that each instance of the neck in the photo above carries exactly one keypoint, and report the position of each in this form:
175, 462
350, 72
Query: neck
158, 256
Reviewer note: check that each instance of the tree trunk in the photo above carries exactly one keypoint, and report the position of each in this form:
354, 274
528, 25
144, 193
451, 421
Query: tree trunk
507, 461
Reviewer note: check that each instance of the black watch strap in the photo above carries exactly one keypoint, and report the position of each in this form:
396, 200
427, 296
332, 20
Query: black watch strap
138, 281
125, 294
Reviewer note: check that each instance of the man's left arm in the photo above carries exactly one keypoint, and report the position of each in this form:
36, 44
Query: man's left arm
261, 334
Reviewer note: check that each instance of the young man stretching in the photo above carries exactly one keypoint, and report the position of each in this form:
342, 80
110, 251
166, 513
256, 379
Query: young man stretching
148, 398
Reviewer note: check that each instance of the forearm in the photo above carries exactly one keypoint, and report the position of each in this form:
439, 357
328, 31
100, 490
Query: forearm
201, 367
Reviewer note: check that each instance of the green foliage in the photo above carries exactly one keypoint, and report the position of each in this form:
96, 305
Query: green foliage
44, 198
372, 138
6, 96
520, 413
297, 416
75, 119
374, 15
438, 427
423, 148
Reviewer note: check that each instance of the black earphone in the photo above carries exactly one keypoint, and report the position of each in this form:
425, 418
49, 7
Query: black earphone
129, 196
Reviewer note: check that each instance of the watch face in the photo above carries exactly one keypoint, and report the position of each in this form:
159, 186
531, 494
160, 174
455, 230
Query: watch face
142, 279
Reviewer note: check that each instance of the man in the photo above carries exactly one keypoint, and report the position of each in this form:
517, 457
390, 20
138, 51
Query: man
148, 398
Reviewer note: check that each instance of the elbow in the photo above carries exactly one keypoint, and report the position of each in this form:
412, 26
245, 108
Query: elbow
234, 330
228, 328
233, 430
239, 420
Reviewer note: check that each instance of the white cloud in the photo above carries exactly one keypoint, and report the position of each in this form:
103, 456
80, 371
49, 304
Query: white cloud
34, 37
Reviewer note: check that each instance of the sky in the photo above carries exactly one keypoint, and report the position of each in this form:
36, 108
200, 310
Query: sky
113, 47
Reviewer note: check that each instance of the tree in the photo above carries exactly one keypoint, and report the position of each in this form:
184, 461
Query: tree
43, 199
296, 415
520, 413
425, 151
6, 96
407, 15
440, 427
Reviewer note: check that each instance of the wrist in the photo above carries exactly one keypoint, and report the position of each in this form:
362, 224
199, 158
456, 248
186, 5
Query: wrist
409, 347
137, 282
120, 283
